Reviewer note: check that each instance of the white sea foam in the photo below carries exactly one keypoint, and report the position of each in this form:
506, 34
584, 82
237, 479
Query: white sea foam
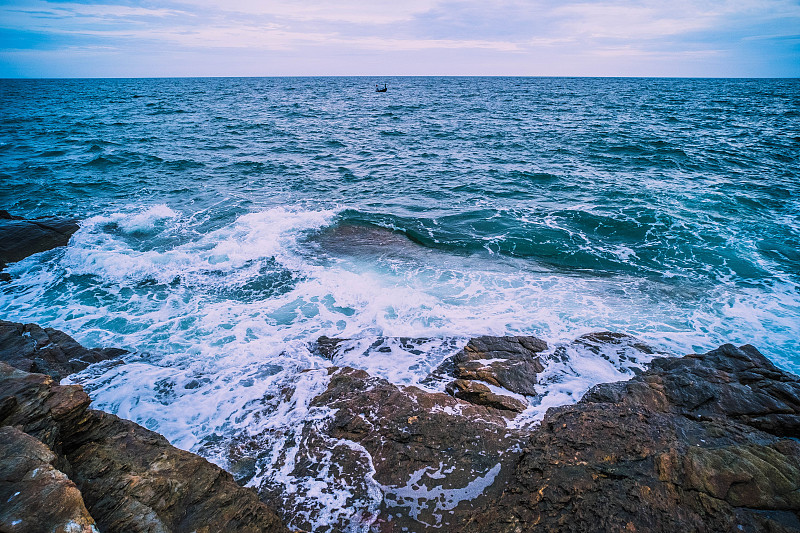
216, 339
427, 498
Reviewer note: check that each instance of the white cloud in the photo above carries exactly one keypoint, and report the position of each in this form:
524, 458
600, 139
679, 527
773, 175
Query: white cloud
352, 11
578, 32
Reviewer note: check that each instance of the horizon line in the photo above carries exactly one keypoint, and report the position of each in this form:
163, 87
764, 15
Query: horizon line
43, 78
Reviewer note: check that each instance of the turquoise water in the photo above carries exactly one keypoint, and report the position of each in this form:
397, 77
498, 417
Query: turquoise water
227, 223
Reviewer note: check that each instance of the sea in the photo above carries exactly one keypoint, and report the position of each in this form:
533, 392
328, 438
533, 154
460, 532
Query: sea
227, 223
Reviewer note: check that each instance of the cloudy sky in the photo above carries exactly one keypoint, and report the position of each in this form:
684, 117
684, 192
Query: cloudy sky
98, 38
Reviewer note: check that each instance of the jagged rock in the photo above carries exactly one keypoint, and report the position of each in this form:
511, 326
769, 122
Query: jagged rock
625, 352
132, 479
480, 394
36, 496
408, 458
508, 362
47, 350
600, 340
20, 238
327, 346
692, 444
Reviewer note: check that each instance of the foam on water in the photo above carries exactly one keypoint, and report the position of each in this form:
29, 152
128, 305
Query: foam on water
418, 494
222, 321
218, 244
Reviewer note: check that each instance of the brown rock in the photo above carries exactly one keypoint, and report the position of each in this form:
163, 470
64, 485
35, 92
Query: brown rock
409, 458
674, 449
508, 362
131, 479
480, 394
47, 350
36, 496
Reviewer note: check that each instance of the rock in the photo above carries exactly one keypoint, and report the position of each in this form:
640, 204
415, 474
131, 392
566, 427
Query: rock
508, 362
36, 496
625, 352
20, 238
364, 240
327, 346
5, 215
692, 444
47, 351
407, 459
131, 479
480, 394
600, 340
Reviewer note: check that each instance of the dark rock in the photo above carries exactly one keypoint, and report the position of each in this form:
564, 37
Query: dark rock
47, 351
36, 496
409, 458
327, 346
131, 479
480, 394
624, 351
20, 238
5, 276
692, 444
508, 362
5, 215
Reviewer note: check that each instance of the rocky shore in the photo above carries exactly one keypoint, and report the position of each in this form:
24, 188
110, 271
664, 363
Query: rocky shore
67, 468
704, 443
707, 442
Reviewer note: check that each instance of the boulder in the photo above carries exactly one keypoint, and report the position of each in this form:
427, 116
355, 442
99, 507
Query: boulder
511, 363
36, 496
508, 362
20, 238
131, 479
47, 350
480, 394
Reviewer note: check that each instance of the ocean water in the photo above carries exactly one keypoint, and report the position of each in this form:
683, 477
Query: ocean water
228, 223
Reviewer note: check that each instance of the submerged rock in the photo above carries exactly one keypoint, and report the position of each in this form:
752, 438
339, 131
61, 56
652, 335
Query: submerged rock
20, 238
47, 350
131, 479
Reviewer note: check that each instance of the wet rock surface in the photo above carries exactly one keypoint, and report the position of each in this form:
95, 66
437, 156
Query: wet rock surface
131, 479
480, 394
511, 363
706, 443
36, 496
47, 350
692, 444
401, 458
20, 238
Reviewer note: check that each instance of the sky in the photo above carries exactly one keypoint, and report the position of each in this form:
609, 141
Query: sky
119, 38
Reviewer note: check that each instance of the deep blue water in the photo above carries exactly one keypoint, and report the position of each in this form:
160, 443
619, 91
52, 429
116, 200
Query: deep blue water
229, 222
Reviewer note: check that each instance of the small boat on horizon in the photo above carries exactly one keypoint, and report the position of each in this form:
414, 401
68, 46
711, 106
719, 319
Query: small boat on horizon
379, 90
